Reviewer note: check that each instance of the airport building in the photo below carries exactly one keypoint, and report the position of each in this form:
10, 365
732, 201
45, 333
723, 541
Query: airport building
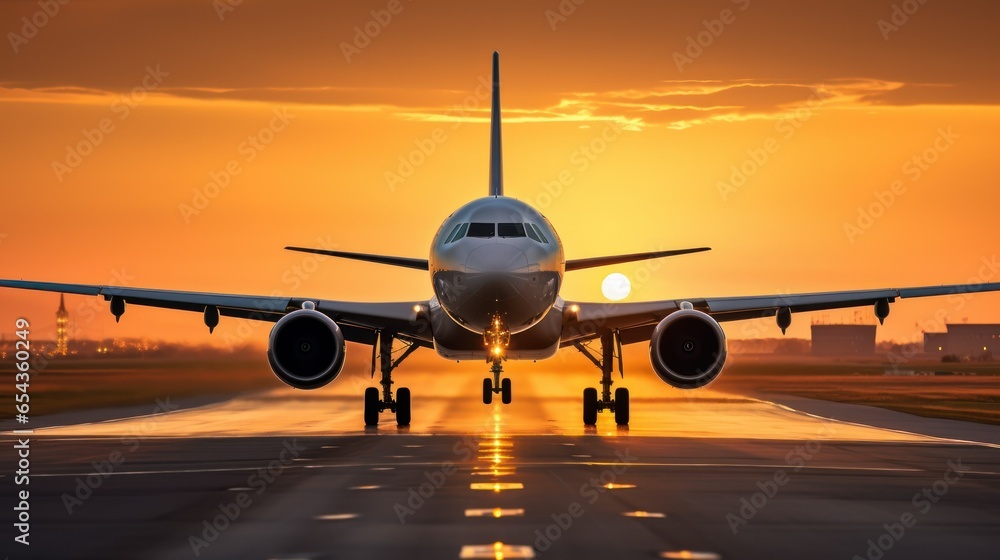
843, 340
966, 340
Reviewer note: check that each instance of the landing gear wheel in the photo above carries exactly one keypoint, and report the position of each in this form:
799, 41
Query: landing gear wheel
621, 406
371, 406
403, 407
590, 406
487, 390
505, 390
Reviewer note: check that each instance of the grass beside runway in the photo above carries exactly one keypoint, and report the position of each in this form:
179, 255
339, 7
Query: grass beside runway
71, 385
957, 391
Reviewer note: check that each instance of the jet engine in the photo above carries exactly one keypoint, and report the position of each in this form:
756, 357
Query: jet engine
687, 349
306, 348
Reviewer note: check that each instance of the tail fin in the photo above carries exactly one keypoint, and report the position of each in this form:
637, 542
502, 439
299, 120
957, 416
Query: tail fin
496, 157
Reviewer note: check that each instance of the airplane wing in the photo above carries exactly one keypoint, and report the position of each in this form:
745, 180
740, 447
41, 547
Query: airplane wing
635, 320
359, 321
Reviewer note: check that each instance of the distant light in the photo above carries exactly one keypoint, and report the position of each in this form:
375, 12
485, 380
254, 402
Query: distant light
574, 308
496, 350
417, 308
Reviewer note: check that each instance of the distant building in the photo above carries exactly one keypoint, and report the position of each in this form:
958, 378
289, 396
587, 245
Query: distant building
62, 328
843, 340
936, 343
965, 340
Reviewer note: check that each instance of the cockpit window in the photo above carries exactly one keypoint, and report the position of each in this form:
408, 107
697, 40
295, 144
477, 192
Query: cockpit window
510, 230
454, 231
531, 233
539, 232
482, 229
457, 233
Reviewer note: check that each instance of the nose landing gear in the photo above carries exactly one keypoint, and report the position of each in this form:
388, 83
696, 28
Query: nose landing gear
496, 339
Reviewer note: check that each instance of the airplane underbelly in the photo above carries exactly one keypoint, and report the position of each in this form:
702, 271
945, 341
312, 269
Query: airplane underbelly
519, 299
455, 342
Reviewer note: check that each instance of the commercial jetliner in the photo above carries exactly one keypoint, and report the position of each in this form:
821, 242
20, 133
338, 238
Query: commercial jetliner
496, 267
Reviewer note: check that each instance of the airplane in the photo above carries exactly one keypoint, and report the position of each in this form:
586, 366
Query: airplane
496, 268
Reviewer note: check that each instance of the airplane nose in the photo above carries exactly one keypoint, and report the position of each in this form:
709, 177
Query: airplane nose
496, 257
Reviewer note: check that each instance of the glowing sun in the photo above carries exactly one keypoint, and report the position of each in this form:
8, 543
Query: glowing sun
616, 286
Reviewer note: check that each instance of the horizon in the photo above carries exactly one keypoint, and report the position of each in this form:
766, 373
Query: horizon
862, 158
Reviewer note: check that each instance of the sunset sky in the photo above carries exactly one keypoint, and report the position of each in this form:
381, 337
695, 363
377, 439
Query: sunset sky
813, 145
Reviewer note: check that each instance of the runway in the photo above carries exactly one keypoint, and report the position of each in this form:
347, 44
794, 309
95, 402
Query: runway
284, 475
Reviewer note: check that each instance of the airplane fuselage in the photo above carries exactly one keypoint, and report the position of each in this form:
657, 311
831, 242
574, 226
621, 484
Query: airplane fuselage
495, 259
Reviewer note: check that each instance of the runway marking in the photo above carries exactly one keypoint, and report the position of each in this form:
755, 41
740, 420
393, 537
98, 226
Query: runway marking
496, 486
375, 468
689, 555
645, 514
368, 487
497, 550
336, 516
494, 512
769, 466
239, 489
940, 439
615, 486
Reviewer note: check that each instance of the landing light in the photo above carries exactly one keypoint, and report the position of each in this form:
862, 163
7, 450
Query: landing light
497, 350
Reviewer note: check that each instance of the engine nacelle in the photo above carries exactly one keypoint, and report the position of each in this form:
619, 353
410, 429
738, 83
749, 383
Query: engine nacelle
306, 349
688, 349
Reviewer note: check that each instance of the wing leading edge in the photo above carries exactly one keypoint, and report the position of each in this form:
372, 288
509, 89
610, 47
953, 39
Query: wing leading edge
359, 321
635, 321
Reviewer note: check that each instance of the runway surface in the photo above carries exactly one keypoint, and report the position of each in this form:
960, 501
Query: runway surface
284, 475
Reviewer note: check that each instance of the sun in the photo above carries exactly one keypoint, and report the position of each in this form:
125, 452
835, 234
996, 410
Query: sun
616, 286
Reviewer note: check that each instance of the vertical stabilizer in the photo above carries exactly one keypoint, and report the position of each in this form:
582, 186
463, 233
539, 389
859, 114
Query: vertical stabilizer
496, 157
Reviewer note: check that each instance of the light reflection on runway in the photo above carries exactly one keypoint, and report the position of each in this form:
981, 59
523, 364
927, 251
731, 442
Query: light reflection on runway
543, 404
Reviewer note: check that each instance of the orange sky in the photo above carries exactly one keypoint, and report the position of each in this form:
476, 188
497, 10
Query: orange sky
843, 109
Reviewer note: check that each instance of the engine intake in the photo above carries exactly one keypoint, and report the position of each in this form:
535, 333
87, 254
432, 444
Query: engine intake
306, 349
688, 349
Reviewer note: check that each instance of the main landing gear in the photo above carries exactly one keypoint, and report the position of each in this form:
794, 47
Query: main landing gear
496, 339
374, 405
610, 343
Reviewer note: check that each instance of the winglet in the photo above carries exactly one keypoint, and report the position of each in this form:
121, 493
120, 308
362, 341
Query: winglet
496, 158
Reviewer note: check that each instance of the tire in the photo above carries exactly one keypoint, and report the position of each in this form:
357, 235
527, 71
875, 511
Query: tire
487, 390
371, 406
590, 406
505, 390
621, 406
403, 407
